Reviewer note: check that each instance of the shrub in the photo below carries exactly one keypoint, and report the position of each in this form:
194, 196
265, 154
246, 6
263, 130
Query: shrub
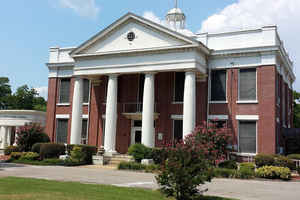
52, 161
16, 155
272, 172
37, 147
250, 166
245, 173
224, 173
137, 166
298, 170
264, 160
88, 150
158, 155
8, 150
28, 135
29, 156
294, 156
282, 161
228, 164
51, 150
139, 152
77, 154
131, 166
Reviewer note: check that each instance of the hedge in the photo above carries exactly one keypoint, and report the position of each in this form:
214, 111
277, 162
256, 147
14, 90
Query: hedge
51, 150
228, 164
272, 172
8, 150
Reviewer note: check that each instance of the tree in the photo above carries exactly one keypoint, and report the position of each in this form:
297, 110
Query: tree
189, 163
296, 109
5, 92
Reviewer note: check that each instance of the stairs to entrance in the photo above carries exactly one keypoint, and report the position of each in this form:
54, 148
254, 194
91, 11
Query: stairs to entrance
118, 158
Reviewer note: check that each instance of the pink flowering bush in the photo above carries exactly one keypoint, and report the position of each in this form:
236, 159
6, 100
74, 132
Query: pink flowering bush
28, 135
188, 163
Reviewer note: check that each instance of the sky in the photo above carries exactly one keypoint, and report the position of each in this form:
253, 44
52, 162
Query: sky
29, 27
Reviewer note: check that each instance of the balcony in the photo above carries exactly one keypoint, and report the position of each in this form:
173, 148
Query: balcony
134, 111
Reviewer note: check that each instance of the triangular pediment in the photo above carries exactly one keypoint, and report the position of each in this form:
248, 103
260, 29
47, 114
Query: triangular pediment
147, 35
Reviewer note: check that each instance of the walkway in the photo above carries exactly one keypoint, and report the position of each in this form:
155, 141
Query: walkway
240, 189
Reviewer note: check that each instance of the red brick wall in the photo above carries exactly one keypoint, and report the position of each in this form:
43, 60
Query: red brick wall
164, 89
265, 108
51, 108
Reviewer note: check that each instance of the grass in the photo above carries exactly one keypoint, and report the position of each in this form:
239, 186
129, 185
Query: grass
36, 189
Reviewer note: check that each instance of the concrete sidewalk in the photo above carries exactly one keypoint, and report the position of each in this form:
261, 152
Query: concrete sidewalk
240, 189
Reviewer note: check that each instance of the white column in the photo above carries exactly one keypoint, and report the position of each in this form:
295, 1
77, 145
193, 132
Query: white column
148, 136
189, 105
76, 125
2, 136
111, 114
16, 135
8, 135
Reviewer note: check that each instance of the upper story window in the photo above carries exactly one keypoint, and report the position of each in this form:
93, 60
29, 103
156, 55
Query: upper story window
218, 85
64, 90
86, 90
247, 84
179, 86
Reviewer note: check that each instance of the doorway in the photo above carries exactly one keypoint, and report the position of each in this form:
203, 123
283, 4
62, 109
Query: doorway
136, 132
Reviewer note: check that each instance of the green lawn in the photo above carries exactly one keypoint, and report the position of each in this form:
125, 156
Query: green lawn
36, 189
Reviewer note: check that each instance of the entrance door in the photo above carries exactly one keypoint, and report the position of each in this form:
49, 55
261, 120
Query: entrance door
136, 135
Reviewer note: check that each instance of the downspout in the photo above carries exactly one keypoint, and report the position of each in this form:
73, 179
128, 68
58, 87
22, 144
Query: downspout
208, 92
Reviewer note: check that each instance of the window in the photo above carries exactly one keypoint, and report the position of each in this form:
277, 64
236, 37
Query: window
179, 86
283, 105
141, 88
247, 136
62, 131
247, 84
177, 130
86, 90
64, 91
84, 132
218, 85
219, 123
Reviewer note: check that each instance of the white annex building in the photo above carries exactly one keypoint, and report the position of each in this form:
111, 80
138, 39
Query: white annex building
11, 120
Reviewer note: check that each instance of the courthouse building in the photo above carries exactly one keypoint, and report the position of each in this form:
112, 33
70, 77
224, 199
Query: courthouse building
137, 81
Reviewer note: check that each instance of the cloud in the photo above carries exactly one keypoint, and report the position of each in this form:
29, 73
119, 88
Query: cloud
245, 14
43, 91
85, 8
152, 17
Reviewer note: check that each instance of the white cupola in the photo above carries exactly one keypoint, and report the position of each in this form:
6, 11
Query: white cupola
176, 18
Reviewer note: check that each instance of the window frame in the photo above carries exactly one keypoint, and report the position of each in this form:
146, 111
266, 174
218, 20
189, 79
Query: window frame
87, 131
62, 119
173, 127
256, 137
59, 92
174, 88
89, 92
239, 80
226, 84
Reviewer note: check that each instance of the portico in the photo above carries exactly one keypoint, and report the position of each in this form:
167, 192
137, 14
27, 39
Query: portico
11, 120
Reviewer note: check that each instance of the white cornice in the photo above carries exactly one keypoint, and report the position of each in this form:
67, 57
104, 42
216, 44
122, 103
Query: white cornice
135, 51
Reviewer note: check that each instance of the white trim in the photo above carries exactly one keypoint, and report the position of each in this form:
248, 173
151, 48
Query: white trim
247, 117
246, 101
241, 101
62, 116
256, 141
63, 104
85, 116
218, 117
218, 102
177, 117
85, 104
